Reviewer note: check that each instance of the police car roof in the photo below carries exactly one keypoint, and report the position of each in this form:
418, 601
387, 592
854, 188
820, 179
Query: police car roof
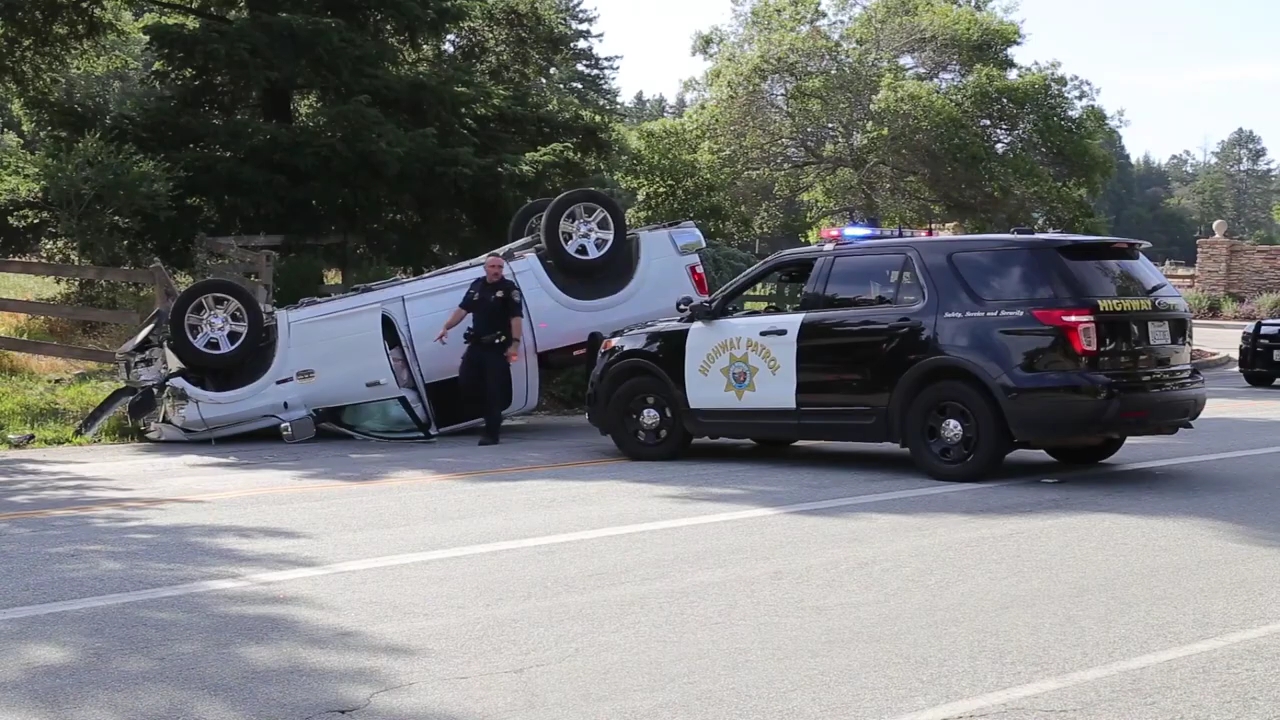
995, 241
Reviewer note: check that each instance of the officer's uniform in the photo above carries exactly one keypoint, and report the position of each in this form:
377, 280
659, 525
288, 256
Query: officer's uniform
485, 374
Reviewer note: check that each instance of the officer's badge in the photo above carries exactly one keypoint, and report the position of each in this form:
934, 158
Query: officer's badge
498, 294
515, 295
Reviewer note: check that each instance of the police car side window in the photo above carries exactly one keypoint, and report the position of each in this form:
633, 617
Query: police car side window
859, 281
1004, 274
780, 290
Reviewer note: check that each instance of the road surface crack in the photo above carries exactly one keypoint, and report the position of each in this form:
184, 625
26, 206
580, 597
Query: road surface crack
511, 671
367, 702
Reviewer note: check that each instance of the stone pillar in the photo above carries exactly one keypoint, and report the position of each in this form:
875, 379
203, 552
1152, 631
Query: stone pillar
1213, 261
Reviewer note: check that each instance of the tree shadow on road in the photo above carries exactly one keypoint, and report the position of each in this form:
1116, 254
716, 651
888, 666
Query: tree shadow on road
262, 653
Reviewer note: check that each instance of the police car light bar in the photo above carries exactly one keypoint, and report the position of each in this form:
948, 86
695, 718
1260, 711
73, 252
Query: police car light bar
854, 233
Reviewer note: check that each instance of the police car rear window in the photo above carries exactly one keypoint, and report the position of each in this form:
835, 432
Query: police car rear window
997, 275
1105, 270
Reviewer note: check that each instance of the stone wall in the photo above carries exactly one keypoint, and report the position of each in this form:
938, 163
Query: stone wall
1232, 267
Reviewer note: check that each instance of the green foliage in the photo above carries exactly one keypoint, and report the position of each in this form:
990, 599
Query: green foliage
297, 277
723, 263
1202, 304
51, 407
1267, 304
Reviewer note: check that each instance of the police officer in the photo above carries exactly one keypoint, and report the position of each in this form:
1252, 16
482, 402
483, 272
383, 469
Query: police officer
493, 342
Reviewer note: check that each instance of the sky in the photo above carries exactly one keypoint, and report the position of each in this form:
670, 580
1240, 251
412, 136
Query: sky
1184, 72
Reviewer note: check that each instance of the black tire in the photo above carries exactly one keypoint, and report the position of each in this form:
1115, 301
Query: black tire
612, 248
1260, 379
1088, 454
665, 441
976, 453
773, 442
243, 344
528, 220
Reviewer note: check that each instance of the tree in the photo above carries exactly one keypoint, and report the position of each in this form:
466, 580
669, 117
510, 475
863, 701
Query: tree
1248, 180
908, 110
415, 125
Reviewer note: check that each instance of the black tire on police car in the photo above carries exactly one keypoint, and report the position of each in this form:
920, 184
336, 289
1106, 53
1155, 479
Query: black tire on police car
644, 421
1260, 379
955, 432
1086, 454
584, 232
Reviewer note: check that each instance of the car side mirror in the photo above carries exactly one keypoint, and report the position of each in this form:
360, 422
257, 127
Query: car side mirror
298, 430
682, 305
700, 311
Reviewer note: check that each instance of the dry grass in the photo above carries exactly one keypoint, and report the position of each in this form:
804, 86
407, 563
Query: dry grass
50, 396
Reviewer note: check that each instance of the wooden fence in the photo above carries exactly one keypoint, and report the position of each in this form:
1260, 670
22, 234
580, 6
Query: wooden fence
259, 263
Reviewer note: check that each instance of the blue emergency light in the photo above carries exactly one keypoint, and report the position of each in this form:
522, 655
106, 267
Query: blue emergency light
854, 233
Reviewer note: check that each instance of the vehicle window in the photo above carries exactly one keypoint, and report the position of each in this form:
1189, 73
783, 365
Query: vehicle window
1106, 270
1016, 274
781, 290
871, 280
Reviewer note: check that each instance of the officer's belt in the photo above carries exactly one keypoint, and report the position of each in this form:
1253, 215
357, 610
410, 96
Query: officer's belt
494, 338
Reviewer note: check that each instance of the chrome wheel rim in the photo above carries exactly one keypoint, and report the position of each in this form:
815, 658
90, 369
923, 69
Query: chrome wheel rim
217, 324
586, 231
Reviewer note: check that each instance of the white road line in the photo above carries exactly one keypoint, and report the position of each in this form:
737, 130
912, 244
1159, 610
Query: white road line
963, 708
559, 539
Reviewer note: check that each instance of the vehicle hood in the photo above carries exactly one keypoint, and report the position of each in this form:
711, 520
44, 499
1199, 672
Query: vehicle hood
671, 323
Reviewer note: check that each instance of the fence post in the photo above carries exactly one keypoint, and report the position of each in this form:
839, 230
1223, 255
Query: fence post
166, 291
266, 270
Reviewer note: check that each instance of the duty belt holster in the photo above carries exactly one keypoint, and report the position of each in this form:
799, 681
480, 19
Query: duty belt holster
497, 338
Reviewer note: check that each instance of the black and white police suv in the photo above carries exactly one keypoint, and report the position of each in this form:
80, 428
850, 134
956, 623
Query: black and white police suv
1260, 352
959, 348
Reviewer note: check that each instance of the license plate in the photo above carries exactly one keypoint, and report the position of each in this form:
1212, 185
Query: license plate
1158, 332
1275, 355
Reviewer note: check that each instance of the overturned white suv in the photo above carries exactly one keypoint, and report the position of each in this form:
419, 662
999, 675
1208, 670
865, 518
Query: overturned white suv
217, 363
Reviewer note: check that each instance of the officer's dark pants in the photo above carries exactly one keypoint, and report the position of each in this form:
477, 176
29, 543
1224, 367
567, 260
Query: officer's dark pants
485, 377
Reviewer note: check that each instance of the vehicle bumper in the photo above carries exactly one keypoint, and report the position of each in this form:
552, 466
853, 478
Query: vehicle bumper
595, 405
1092, 406
1264, 358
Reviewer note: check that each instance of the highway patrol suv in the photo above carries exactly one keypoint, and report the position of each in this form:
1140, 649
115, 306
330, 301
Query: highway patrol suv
961, 349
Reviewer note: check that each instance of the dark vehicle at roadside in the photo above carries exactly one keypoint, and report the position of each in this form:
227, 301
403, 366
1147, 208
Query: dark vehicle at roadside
960, 349
1260, 352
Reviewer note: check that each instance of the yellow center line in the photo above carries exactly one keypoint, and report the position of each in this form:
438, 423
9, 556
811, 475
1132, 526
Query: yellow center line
130, 504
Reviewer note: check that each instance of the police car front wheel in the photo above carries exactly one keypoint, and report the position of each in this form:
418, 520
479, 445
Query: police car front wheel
956, 433
645, 422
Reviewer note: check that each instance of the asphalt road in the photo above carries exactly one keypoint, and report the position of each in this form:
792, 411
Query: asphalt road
349, 580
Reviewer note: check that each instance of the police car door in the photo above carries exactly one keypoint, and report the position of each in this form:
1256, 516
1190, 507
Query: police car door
741, 364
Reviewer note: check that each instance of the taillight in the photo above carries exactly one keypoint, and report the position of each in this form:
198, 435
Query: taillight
699, 279
1081, 330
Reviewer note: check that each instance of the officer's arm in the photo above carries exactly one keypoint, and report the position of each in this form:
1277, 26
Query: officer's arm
455, 318
515, 310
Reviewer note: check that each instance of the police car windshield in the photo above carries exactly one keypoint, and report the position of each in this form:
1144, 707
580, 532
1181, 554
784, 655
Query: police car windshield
1105, 270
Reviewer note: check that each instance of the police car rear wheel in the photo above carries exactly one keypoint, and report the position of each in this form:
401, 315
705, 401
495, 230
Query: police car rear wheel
645, 421
955, 432
1087, 454
1260, 379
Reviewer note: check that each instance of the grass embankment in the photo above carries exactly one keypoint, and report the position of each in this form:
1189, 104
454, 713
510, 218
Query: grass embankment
50, 396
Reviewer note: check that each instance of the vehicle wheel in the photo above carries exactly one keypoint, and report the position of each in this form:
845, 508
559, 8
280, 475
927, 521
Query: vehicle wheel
956, 433
645, 422
1088, 454
528, 220
585, 231
1260, 379
215, 324
773, 442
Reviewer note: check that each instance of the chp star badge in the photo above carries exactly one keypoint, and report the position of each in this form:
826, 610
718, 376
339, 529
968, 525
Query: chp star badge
515, 295
739, 375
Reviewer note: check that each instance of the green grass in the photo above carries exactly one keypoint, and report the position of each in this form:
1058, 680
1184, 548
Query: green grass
52, 406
